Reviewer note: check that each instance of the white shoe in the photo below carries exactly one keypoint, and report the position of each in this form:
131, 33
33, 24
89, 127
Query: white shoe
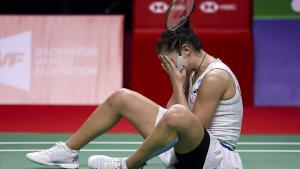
58, 155
105, 162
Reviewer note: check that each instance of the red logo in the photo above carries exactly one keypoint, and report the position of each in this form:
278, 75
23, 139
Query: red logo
158, 7
211, 7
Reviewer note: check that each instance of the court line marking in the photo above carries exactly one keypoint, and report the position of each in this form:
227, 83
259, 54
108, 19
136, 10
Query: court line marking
82, 150
138, 143
101, 142
132, 150
268, 143
268, 151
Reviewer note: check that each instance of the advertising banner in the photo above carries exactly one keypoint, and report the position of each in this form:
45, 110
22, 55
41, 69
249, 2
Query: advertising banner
60, 59
208, 14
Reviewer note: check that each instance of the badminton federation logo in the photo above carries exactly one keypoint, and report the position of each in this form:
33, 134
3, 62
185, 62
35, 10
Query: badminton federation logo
15, 61
158, 7
296, 5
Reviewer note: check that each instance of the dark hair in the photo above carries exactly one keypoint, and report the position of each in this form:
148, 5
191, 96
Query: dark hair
172, 40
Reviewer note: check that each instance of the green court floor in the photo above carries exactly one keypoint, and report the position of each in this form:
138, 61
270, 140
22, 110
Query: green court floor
257, 151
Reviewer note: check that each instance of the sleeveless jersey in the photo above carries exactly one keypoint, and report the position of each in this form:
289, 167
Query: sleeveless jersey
226, 123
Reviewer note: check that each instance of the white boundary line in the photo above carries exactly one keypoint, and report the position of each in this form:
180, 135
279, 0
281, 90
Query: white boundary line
101, 142
269, 143
82, 150
138, 143
268, 151
132, 150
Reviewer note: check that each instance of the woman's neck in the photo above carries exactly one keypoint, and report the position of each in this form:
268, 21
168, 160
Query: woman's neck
202, 63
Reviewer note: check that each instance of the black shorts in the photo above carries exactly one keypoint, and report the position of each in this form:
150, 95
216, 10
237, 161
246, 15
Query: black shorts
196, 158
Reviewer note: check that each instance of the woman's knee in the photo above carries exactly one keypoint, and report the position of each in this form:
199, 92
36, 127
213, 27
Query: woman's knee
178, 117
119, 97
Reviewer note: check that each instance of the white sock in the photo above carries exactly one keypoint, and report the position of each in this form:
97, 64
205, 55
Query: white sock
124, 163
68, 149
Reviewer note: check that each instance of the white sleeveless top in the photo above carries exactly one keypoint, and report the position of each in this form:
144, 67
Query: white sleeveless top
227, 120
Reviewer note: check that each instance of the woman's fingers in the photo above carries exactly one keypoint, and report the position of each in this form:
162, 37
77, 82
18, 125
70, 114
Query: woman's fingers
163, 66
165, 63
170, 63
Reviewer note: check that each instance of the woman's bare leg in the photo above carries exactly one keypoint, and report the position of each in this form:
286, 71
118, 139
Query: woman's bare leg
177, 122
137, 109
